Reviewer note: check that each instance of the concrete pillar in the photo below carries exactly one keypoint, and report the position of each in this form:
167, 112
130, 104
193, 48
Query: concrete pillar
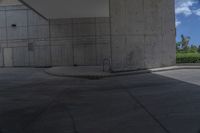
142, 34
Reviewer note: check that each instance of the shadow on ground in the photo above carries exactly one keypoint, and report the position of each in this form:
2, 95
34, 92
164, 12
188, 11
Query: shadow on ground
146, 103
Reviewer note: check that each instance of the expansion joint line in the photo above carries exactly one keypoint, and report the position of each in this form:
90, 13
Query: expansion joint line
147, 111
75, 130
72, 119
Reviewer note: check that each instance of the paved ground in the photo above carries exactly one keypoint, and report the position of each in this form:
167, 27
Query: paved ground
164, 102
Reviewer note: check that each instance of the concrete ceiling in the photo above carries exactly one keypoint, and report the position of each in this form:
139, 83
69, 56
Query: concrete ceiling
9, 2
54, 9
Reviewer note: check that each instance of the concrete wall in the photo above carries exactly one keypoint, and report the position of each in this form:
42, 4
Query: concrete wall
84, 41
138, 34
9, 2
143, 34
24, 37
27, 39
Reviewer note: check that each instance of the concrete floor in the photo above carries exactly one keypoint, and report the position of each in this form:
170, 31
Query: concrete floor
164, 102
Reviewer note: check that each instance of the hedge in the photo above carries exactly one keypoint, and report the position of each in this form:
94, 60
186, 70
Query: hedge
188, 58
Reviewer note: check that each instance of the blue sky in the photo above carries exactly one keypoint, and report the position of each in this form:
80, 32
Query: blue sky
188, 19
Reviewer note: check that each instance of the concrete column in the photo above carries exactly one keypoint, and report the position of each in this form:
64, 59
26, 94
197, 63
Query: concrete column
142, 34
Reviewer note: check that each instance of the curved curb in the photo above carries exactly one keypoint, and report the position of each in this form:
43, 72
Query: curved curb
173, 68
99, 76
106, 75
75, 76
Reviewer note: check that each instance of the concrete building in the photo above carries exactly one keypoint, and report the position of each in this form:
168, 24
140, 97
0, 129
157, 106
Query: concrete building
124, 34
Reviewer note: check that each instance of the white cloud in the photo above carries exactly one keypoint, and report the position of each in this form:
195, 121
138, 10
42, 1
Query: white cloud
178, 22
197, 12
185, 7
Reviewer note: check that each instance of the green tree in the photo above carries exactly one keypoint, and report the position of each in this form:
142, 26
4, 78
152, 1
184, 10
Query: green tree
193, 49
199, 49
178, 46
185, 42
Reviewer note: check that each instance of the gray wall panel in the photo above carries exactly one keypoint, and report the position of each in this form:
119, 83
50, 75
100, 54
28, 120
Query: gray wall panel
140, 34
143, 34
